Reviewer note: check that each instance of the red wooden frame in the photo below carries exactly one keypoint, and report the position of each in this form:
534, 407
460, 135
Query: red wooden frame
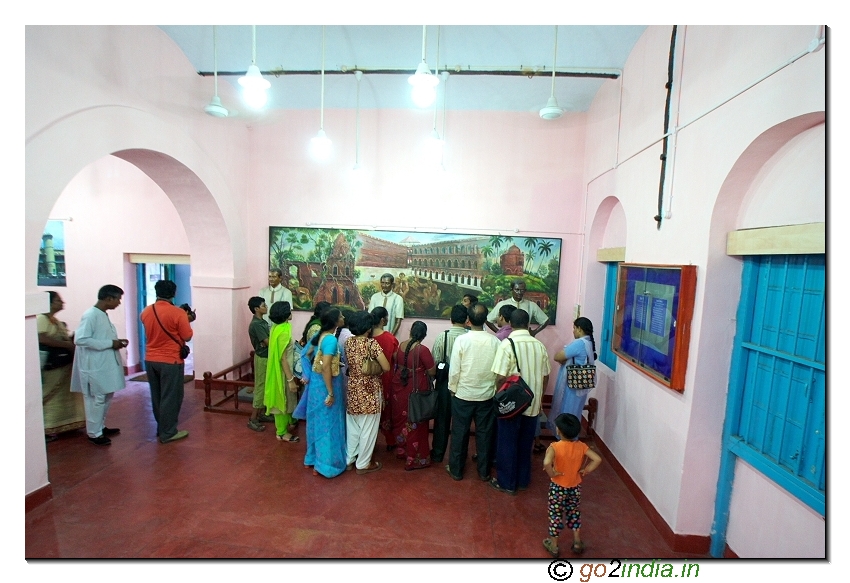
684, 314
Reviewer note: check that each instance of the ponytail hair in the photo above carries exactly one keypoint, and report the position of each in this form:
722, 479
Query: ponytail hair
586, 326
418, 331
378, 314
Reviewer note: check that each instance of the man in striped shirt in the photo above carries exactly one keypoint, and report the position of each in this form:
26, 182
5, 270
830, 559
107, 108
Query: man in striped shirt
515, 436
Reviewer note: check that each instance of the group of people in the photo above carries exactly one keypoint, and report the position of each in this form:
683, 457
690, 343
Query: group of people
356, 380
82, 370
350, 378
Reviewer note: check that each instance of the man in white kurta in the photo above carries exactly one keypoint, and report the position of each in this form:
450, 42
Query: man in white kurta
390, 300
98, 371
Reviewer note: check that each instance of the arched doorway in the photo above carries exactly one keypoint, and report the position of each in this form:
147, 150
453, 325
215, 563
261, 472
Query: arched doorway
194, 185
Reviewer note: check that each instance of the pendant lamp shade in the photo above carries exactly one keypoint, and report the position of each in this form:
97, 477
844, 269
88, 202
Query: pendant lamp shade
423, 81
321, 147
254, 86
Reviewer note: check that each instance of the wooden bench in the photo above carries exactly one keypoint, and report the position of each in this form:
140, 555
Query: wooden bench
592, 406
229, 381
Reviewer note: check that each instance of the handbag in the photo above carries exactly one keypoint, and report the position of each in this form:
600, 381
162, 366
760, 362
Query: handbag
184, 348
581, 376
442, 376
318, 362
56, 357
514, 396
370, 366
421, 405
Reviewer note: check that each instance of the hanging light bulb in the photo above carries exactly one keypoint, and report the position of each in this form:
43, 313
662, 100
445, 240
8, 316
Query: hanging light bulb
423, 82
320, 146
253, 84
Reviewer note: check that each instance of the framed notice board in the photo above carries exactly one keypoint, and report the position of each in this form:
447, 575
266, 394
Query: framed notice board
652, 321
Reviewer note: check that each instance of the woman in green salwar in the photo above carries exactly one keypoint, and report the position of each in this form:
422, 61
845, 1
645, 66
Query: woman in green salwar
281, 386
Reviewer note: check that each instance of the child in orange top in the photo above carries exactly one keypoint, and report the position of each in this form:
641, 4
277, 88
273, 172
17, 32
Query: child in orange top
563, 463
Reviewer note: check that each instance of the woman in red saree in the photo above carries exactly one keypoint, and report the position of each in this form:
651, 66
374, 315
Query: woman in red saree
413, 365
389, 344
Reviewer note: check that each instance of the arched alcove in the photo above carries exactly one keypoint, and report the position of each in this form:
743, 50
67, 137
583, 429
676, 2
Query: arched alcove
193, 183
722, 289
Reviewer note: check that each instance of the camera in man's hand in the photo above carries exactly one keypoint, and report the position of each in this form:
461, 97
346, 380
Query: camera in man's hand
189, 312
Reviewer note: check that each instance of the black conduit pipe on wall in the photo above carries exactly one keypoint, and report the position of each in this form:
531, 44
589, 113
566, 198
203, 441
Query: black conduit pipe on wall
669, 85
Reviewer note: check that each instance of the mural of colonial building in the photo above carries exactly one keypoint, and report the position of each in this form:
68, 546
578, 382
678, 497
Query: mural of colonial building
338, 285
459, 261
380, 253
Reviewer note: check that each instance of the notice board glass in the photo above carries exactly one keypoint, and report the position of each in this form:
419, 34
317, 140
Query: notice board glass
652, 321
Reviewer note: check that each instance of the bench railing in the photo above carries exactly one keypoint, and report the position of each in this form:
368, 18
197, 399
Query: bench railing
592, 406
229, 381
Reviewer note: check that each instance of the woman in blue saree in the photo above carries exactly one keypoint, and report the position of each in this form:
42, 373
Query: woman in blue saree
582, 350
324, 400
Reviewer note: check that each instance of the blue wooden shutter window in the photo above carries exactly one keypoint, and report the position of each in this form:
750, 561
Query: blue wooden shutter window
780, 356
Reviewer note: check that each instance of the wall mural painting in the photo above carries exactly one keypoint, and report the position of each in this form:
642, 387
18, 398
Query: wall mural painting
432, 271
51, 255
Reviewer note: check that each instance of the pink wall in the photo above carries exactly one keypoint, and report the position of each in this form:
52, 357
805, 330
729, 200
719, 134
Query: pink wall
670, 442
90, 94
591, 179
510, 172
226, 184
107, 202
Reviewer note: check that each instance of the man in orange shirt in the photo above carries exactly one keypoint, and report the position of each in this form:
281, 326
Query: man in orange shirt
167, 330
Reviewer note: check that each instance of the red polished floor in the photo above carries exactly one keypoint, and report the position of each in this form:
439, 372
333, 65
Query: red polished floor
226, 491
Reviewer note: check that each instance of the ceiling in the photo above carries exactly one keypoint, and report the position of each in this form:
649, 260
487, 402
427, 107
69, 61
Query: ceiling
497, 68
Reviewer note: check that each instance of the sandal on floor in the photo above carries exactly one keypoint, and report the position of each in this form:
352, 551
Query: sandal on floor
373, 467
494, 483
539, 448
551, 548
292, 438
577, 548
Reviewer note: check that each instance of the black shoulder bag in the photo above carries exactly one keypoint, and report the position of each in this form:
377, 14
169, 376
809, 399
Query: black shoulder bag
421, 404
184, 348
514, 396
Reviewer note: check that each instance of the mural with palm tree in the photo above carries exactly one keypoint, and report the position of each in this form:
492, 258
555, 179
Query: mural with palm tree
432, 270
